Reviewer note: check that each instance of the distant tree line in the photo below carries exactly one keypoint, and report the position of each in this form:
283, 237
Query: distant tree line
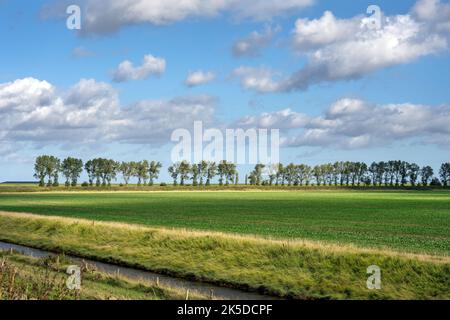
390, 173
204, 172
101, 172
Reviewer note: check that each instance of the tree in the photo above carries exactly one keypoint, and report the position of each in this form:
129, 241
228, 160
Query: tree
391, 170
347, 172
153, 171
444, 172
280, 174
71, 169
128, 171
47, 166
272, 173
413, 171
317, 173
90, 169
257, 174
109, 169
195, 171
40, 169
403, 170
290, 173
336, 172
174, 171
426, 173
360, 172
184, 170
221, 171
211, 172
252, 178
328, 172
203, 171
230, 172
97, 165
142, 170
436, 182
339, 168
374, 170
381, 172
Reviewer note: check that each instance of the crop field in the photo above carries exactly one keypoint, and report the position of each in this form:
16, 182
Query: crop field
406, 221
289, 269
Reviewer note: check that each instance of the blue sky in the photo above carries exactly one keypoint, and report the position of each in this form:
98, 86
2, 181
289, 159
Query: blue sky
401, 87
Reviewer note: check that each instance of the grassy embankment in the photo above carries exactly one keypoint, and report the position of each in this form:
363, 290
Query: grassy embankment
26, 278
298, 269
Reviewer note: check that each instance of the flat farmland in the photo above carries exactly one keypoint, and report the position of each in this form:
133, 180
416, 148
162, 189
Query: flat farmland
407, 221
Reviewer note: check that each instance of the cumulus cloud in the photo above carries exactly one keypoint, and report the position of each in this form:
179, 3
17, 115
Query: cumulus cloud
284, 119
358, 50
35, 111
346, 49
259, 79
151, 65
107, 16
313, 34
199, 77
252, 45
435, 13
354, 124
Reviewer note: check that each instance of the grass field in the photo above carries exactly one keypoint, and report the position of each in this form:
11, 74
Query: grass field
301, 244
405, 220
295, 269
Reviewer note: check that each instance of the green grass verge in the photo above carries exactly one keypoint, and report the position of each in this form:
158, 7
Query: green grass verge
303, 270
27, 278
405, 220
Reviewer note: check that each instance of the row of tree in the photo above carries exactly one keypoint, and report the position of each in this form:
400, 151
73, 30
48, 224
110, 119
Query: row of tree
390, 173
203, 173
101, 172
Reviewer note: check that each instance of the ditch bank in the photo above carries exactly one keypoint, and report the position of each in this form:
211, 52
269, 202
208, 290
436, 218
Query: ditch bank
279, 268
203, 289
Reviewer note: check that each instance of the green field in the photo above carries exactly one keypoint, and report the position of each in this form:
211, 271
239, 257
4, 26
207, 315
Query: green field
405, 220
294, 269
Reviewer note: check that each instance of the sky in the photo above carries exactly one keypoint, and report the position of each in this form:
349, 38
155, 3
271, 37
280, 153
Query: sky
338, 82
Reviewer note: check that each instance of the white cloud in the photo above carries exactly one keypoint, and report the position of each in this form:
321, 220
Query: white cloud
251, 45
151, 65
35, 111
284, 119
313, 34
434, 12
354, 123
199, 77
347, 49
108, 16
362, 50
259, 79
